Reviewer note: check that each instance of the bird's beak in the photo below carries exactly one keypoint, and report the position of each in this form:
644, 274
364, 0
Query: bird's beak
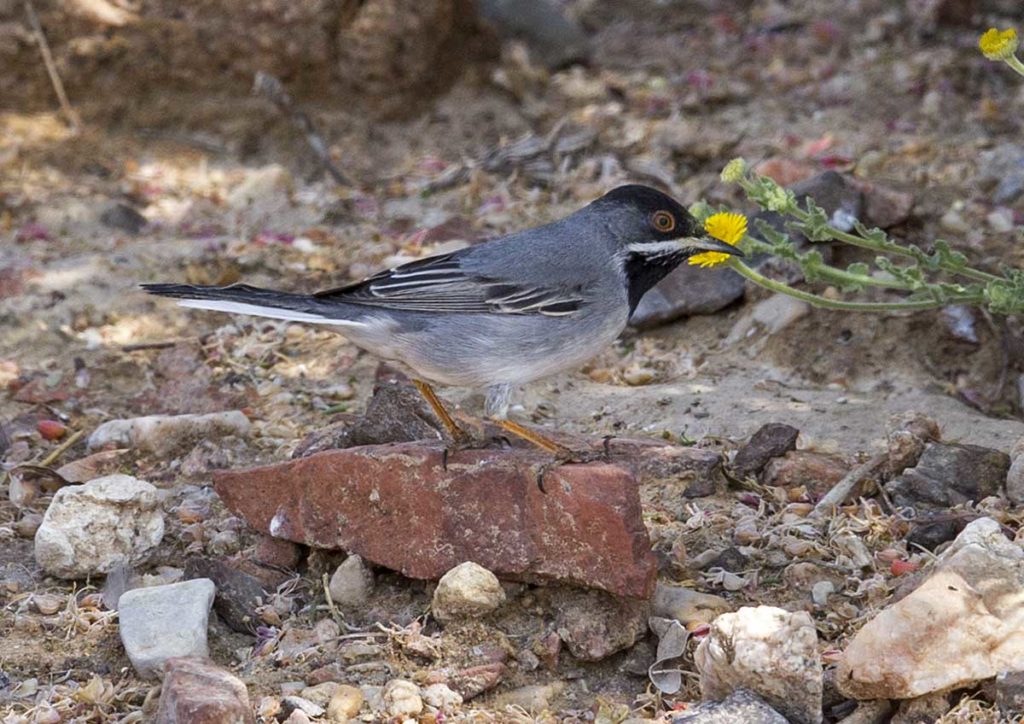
698, 244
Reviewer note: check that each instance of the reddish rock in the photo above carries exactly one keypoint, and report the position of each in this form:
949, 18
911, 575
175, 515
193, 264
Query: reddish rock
785, 171
817, 472
278, 553
884, 207
196, 691
770, 441
475, 680
396, 506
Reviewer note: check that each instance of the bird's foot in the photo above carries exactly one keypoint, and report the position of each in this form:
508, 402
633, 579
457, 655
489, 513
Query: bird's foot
568, 456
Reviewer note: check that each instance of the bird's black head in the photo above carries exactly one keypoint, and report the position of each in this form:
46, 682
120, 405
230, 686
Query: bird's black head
639, 214
653, 234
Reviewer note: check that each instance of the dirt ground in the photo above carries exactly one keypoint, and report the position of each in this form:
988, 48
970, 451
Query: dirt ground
675, 90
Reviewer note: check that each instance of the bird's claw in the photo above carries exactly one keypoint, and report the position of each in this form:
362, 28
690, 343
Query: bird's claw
568, 456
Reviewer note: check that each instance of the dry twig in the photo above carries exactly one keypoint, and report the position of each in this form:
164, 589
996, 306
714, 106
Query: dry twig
51, 68
271, 88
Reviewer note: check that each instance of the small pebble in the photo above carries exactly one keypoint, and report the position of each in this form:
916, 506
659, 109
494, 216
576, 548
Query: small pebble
47, 603
345, 704
467, 591
402, 698
820, 592
352, 583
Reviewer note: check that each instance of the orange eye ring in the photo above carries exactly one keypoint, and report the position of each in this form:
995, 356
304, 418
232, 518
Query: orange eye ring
663, 221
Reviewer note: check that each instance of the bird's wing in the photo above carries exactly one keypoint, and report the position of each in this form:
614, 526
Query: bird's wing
441, 284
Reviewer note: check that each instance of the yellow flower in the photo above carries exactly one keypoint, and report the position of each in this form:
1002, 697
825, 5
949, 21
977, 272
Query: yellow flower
998, 44
734, 171
727, 227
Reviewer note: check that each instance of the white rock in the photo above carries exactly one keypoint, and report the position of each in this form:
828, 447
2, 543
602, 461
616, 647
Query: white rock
402, 698
766, 650
441, 697
352, 583
772, 315
161, 622
92, 528
162, 434
467, 591
965, 623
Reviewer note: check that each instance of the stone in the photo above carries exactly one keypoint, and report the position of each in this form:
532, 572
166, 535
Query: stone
740, 707
197, 691
278, 553
124, 218
906, 436
466, 591
402, 699
163, 434
884, 207
686, 291
869, 712
162, 622
1010, 693
440, 697
553, 38
767, 317
320, 694
27, 525
815, 471
396, 412
345, 704
769, 651
930, 530
687, 606
584, 527
770, 441
1015, 475
961, 625
594, 625
90, 529
351, 583
950, 474
291, 704
238, 592
656, 460
476, 680
922, 710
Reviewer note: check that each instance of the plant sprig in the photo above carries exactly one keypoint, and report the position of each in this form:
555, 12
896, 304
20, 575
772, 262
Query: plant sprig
929, 280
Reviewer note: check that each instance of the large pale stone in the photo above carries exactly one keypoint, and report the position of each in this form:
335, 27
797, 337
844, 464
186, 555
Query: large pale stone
89, 529
162, 622
766, 650
965, 623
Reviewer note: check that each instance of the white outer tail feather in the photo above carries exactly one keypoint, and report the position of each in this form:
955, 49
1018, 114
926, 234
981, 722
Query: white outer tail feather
255, 310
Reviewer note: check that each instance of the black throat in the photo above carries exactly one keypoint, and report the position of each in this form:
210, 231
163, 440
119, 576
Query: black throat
644, 271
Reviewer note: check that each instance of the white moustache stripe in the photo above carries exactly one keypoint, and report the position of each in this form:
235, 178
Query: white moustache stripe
654, 248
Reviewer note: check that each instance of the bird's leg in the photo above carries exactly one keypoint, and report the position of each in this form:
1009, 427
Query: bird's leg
548, 445
458, 435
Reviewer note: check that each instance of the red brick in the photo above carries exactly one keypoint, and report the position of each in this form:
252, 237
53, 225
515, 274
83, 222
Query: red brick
397, 507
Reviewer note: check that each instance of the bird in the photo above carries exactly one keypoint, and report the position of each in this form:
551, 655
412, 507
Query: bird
501, 313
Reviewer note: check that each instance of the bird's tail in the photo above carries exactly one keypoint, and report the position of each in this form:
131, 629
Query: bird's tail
244, 299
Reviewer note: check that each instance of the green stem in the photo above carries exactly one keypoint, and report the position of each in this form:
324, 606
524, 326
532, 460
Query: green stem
828, 272
1015, 63
826, 303
885, 248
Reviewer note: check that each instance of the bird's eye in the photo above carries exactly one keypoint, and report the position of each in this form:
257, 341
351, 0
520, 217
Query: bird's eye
663, 221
